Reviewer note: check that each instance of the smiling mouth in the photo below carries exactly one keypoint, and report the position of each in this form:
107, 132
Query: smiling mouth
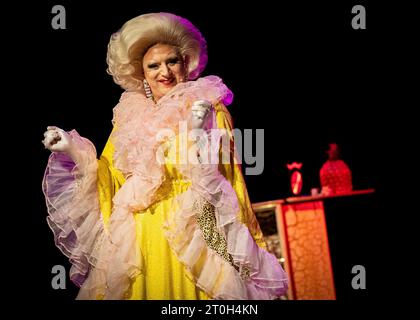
167, 82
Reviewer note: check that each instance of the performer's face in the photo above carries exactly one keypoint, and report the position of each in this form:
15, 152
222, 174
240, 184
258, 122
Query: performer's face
163, 68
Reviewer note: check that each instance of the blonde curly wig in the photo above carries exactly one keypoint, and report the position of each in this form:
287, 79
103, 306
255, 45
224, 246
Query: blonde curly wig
127, 47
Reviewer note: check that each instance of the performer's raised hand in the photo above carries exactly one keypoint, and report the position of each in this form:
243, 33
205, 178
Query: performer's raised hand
58, 140
200, 112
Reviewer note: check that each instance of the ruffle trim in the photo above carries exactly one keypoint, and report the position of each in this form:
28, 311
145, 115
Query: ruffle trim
254, 274
138, 123
73, 209
103, 262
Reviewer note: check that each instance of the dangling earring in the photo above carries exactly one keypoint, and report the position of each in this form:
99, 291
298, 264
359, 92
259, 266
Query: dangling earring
147, 90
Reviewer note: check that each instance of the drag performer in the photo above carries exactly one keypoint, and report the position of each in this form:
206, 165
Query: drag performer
156, 217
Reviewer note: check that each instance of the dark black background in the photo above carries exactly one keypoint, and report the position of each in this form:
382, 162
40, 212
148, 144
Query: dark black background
298, 70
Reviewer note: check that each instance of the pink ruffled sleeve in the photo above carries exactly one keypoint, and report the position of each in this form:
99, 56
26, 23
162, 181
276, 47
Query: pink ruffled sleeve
73, 209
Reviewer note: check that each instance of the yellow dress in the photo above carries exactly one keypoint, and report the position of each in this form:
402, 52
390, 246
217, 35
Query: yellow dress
163, 275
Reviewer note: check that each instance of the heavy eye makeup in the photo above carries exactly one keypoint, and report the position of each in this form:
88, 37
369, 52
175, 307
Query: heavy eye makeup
173, 60
170, 61
153, 65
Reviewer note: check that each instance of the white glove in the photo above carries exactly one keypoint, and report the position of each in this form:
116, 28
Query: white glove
58, 140
200, 113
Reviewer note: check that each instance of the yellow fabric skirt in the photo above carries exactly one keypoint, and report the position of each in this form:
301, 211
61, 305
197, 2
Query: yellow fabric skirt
163, 276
